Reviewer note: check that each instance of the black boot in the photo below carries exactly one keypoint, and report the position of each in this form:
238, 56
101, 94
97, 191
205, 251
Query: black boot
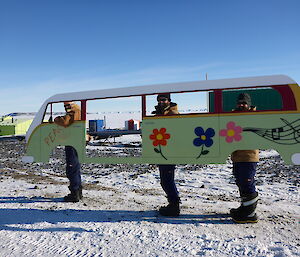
246, 212
171, 210
74, 196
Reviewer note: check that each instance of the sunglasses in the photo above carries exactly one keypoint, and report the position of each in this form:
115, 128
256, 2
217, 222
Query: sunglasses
162, 100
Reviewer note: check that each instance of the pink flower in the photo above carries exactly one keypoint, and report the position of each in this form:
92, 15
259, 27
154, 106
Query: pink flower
232, 132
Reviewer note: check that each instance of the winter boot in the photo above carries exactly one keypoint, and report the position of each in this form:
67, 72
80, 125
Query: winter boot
74, 196
171, 210
246, 212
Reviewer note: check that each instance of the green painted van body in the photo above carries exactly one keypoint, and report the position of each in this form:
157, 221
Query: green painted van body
187, 138
180, 147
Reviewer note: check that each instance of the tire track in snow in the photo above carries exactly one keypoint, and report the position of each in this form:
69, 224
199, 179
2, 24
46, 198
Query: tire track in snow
18, 243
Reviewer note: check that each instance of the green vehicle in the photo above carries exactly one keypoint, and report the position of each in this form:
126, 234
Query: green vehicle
206, 130
14, 126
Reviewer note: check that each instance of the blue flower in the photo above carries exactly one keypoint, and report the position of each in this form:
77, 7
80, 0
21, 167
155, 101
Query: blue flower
204, 138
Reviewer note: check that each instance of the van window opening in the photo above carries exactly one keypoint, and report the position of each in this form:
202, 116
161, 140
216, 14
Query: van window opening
110, 118
57, 109
187, 102
273, 98
262, 98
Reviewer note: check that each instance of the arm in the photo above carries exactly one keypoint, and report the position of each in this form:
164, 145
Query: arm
64, 121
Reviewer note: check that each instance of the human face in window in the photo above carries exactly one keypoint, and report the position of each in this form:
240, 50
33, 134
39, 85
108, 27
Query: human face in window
68, 107
163, 102
242, 106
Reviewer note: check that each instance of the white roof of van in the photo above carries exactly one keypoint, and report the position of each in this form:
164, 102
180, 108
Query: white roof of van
174, 87
161, 88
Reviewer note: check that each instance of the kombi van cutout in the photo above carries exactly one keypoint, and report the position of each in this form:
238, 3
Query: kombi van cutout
206, 130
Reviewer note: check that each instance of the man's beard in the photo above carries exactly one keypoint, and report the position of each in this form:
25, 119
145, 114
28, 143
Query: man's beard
163, 105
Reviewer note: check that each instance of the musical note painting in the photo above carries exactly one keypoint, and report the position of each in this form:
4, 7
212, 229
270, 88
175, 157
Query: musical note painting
288, 134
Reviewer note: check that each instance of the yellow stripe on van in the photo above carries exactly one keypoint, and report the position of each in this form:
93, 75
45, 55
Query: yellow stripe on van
219, 114
296, 91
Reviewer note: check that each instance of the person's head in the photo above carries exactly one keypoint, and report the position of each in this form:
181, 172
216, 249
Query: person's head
243, 102
163, 100
68, 106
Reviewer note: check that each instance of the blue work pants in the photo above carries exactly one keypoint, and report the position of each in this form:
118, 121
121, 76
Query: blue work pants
167, 181
73, 168
244, 173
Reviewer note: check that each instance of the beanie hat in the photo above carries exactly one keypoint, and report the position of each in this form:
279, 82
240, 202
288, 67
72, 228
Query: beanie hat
166, 95
244, 98
68, 102
68, 106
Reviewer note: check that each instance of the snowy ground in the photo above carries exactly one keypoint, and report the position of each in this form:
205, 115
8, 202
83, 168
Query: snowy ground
118, 215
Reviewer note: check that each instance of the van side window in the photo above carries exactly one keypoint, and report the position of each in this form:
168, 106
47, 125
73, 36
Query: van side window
55, 109
262, 98
114, 112
110, 118
187, 102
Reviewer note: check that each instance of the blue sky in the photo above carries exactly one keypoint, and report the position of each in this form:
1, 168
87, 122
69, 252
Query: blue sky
52, 46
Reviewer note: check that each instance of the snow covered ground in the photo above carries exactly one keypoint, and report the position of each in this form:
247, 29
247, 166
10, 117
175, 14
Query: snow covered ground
118, 216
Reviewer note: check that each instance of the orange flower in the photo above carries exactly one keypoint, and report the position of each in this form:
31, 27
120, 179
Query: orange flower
159, 137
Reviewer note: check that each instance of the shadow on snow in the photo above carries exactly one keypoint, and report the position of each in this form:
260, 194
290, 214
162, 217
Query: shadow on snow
11, 217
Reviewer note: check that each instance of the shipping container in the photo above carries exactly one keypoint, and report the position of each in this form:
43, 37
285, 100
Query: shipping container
96, 125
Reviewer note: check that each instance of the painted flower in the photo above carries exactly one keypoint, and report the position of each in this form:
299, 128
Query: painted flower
232, 132
159, 137
204, 137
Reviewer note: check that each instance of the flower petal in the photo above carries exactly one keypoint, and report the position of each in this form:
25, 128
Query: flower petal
162, 130
210, 132
199, 131
230, 125
197, 142
152, 137
163, 142
238, 129
229, 139
209, 142
223, 132
155, 131
237, 137
155, 143
166, 136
